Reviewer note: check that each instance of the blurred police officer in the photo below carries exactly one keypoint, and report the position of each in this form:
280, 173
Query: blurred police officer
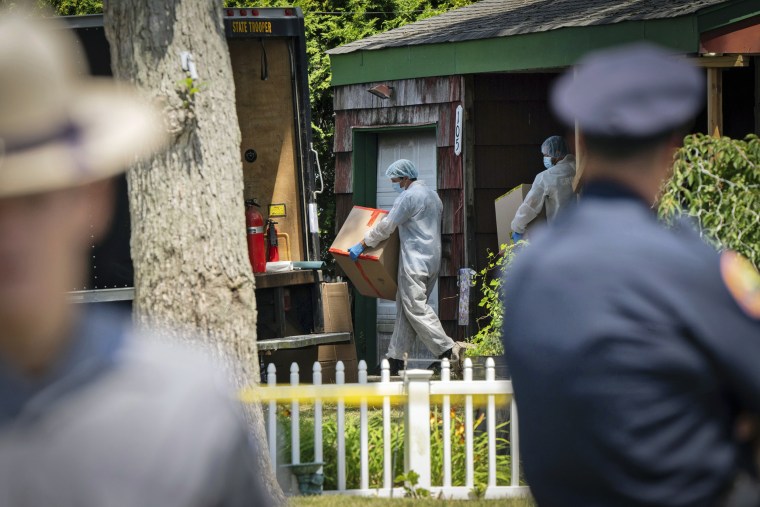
91, 413
632, 347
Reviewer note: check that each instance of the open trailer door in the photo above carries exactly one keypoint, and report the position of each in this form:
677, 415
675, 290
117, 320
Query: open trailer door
268, 55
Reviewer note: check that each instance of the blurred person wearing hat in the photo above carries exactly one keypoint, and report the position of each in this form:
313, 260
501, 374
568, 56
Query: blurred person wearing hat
92, 412
416, 213
552, 189
632, 348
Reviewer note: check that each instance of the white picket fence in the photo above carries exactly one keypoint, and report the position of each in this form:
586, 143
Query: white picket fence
414, 393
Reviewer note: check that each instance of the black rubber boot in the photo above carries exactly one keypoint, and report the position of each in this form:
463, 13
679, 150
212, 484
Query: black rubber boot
396, 365
435, 367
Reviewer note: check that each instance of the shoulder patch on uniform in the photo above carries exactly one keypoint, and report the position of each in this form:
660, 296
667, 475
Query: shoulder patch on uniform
742, 280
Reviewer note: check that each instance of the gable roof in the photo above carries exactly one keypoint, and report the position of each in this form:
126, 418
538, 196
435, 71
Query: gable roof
500, 18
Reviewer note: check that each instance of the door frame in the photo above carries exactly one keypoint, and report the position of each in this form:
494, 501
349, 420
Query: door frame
364, 178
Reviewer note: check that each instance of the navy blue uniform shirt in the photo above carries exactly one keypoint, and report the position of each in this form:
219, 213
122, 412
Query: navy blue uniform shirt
630, 359
95, 342
124, 419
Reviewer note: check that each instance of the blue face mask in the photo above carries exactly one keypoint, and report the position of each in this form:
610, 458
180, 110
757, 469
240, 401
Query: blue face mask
548, 162
397, 186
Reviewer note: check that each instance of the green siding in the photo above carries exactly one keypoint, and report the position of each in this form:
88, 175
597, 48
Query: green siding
535, 51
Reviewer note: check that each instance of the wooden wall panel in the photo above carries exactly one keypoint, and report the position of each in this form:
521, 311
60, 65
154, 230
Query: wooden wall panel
737, 38
453, 211
413, 115
507, 166
485, 242
450, 169
456, 90
343, 173
485, 213
442, 116
447, 124
448, 298
343, 205
346, 121
514, 122
452, 254
407, 92
513, 87
453, 330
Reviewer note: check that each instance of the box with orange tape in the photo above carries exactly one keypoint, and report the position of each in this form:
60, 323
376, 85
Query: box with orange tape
375, 273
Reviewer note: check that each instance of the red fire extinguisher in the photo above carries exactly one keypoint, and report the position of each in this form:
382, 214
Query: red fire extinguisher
254, 222
273, 253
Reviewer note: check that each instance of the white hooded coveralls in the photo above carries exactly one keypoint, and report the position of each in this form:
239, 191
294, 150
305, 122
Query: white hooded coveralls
552, 188
417, 214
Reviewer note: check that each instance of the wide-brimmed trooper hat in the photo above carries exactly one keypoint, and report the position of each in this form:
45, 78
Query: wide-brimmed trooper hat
60, 127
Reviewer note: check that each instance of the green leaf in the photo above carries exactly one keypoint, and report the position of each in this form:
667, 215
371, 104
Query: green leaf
717, 181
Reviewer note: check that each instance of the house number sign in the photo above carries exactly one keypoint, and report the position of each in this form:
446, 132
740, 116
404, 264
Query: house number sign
458, 132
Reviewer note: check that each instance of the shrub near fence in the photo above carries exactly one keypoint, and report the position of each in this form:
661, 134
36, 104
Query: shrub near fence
363, 450
353, 447
375, 427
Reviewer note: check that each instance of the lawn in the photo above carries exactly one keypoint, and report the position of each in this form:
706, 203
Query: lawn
347, 501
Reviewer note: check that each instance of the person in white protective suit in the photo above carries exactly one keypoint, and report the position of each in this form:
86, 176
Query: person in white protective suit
417, 215
552, 189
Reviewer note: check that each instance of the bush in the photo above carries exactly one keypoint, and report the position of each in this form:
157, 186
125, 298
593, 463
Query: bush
490, 279
458, 452
717, 182
353, 445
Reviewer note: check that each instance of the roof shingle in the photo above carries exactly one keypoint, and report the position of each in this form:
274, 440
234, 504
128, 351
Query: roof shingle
488, 19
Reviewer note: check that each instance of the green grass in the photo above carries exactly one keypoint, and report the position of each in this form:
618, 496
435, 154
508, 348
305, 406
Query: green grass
346, 501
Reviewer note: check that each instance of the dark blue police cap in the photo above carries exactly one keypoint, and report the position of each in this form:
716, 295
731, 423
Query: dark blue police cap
638, 90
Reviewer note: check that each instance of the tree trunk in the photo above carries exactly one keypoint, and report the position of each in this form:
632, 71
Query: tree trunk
192, 273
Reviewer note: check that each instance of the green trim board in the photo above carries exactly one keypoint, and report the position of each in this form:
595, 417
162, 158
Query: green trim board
719, 16
525, 52
364, 161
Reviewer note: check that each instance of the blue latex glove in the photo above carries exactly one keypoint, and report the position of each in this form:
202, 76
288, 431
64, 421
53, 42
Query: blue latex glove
355, 251
516, 236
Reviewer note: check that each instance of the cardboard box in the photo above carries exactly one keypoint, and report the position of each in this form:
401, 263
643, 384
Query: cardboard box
305, 357
506, 209
336, 308
351, 371
284, 358
375, 273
